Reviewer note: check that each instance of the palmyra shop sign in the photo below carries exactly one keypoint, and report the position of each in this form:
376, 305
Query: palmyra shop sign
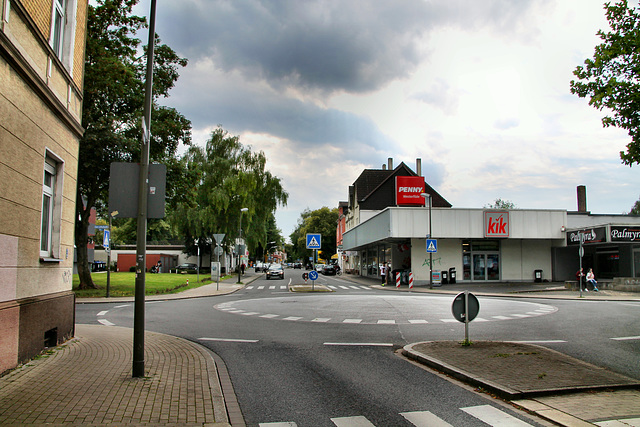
496, 224
408, 190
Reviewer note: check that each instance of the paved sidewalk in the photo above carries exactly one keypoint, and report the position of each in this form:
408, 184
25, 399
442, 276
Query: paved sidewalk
87, 381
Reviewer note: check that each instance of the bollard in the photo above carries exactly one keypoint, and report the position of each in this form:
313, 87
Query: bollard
397, 280
187, 282
411, 280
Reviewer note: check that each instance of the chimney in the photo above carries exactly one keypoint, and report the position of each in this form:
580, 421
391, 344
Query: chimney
419, 167
582, 198
390, 163
384, 167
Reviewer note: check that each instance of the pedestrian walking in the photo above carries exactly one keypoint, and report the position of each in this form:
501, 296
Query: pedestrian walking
383, 273
242, 267
591, 278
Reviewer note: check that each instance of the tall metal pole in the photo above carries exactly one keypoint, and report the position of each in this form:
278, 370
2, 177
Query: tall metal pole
141, 248
239, 240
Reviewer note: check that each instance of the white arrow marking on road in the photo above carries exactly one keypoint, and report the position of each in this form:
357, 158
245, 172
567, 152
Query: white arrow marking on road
105, 322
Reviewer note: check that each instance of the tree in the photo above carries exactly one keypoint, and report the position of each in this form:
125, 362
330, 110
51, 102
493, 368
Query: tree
227, 178
322, 221
612, 78
635, 209
501, 204
113, 108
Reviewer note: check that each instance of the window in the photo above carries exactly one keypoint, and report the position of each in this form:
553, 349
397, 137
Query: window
63, 19
59, 15
51, 208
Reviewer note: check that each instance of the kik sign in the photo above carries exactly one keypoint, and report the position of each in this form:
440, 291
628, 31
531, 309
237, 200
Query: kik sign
496, 224
408, 190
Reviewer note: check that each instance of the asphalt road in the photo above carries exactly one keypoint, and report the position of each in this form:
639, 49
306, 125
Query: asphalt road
321, 359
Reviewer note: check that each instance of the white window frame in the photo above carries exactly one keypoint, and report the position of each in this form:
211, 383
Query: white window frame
63, 30
50, 223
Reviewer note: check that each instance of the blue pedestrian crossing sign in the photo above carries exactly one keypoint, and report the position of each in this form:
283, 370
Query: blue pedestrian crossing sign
432, 246
106, 239
313, 241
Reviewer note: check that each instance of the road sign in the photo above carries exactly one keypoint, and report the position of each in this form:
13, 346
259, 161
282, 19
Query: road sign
218, 251
218, 237
313, 241
102, 227
305, 276
313, 275
105, 240
459, 309
432, 246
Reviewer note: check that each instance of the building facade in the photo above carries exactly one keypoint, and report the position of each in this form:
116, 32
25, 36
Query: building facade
42, 46
385, 227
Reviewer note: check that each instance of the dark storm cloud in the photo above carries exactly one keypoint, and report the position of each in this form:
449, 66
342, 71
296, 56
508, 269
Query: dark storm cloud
355, 46
239, 108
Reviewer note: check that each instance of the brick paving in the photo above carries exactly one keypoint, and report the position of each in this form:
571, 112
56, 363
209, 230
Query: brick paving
88, 381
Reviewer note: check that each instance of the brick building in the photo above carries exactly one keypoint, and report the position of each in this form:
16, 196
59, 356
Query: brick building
42, 47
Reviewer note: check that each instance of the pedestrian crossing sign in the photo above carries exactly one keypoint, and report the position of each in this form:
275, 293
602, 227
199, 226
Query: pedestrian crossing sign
432, 246
313, 241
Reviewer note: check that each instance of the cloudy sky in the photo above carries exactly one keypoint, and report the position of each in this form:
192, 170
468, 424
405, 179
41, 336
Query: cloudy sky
479, 90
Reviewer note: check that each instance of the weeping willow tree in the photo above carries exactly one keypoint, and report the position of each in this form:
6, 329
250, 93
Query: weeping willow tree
227, 177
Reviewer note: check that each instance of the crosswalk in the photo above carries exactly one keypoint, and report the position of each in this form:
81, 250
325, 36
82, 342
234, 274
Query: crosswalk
486, 413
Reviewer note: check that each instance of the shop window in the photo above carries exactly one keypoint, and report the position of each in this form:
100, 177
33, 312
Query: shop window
51, 208
607, 263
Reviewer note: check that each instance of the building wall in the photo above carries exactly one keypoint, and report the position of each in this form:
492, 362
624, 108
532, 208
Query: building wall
40, 110
520, 258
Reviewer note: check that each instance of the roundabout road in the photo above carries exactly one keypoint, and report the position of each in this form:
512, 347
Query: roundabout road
377, 309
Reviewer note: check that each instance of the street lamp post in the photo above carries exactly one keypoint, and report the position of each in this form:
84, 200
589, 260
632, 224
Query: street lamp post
240, 240
428, 197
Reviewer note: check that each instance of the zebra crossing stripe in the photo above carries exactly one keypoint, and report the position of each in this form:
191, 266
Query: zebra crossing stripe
358, 421
418, 321
249, 287
321, 319
352, 321
493, 416
424, 419
278, 425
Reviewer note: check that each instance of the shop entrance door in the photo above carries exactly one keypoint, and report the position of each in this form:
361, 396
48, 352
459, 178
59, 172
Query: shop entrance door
486, 267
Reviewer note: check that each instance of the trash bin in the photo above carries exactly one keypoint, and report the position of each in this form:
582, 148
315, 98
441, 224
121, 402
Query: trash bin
452, 275
444, 276
538, 276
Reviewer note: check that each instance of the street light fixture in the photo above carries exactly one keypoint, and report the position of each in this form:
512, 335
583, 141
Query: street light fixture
427, 196
240, 240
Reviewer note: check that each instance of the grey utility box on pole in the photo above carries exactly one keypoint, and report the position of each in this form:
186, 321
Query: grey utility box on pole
123, 189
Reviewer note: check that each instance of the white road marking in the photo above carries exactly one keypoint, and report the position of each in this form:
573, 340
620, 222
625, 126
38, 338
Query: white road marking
352, 321
424, 419
539, 342
418, 321
359, 421
260, 287
626, 338
521, 315
228, 340
344, 287
358, 344
501, 317
272, 287
292, 318
288, 424
355, 287
366, 288
121, 306
386, 322
283, 287
321, 319
493, 416
448, 320
102, 313
105, 322
249, 287
250, 313
270, 316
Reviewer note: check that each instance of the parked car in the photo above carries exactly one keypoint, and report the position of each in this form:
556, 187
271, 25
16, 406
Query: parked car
187, 268
329, 270
319, 267
275, 270
297, 265
259, 267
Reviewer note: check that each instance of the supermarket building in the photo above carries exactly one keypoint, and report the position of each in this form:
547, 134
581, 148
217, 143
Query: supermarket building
385, 225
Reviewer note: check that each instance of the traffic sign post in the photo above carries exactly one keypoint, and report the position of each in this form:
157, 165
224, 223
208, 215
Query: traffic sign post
465, 308
314, 241
313, 275
432, 246
218, 251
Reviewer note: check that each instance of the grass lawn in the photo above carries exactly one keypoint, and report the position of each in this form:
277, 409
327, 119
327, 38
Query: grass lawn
123, 284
